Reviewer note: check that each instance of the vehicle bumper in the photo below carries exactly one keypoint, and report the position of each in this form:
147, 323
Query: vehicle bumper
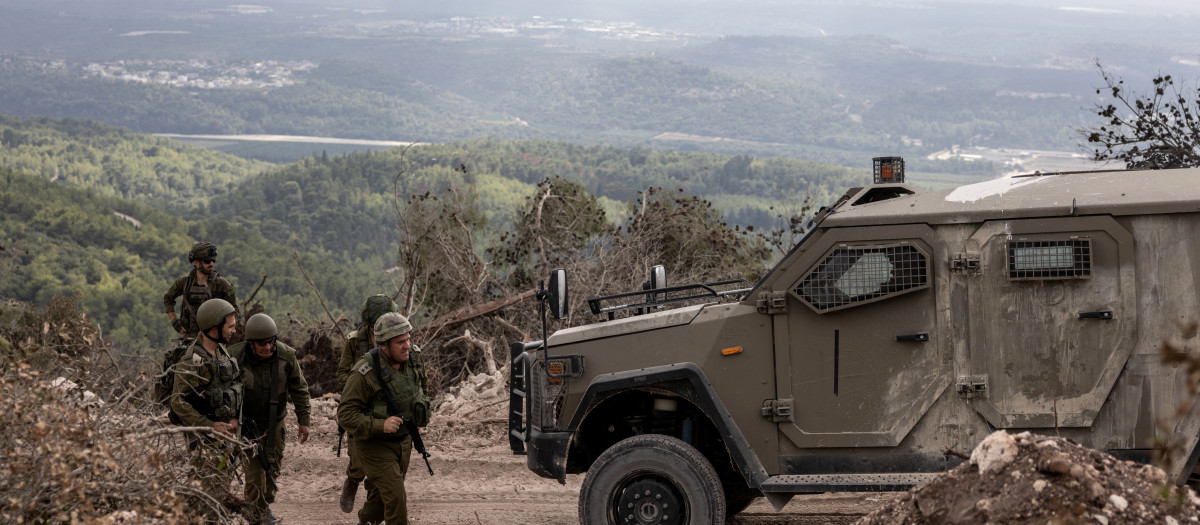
547, 453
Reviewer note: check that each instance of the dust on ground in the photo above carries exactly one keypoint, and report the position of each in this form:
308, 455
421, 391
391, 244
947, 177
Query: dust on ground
478, 480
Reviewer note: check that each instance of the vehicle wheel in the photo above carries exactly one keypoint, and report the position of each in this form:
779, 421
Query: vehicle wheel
651, 479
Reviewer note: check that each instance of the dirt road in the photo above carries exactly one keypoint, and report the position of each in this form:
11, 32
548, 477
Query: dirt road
479, 481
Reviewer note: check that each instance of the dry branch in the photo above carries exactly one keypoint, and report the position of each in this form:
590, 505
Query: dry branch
296, 257
470, 312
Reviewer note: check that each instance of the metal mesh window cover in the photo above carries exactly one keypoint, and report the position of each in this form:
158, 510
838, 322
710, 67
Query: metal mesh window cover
1062, 259
853, 275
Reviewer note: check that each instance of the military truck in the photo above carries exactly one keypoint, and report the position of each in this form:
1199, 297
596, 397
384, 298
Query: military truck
904, 326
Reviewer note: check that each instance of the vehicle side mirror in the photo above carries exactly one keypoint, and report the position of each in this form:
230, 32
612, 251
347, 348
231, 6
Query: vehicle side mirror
658, 279
558, 293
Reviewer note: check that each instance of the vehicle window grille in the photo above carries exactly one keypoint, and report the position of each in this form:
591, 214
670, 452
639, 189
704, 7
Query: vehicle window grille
852, 275
1061, 259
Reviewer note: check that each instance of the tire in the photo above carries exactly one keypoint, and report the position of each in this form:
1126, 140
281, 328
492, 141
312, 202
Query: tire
652, 479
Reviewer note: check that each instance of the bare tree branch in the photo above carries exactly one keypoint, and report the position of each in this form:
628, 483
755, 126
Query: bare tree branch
304, 271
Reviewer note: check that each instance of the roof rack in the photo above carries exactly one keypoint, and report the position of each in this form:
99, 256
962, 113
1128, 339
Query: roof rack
649, 299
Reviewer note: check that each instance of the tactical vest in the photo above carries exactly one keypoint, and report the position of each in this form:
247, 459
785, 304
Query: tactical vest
194, 295
257, 377
405, 385
221, 398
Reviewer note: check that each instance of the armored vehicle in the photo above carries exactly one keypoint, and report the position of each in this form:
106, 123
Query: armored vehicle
904, 325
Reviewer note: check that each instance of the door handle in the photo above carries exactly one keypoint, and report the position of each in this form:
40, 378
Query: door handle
1102, 314
913, 338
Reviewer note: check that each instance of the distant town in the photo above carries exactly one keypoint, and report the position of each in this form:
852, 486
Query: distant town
194, 74
271, 74
202, 74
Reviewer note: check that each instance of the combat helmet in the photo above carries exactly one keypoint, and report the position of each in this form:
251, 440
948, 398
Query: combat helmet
376, 306
260, 326
202, 251
212, 313
389, 325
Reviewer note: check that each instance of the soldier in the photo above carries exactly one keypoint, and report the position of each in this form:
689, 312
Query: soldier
360, 341
383, 396
207, 392
270, 377
199, 285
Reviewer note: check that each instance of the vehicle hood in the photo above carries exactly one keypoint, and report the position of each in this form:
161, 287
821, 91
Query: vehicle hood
627, 325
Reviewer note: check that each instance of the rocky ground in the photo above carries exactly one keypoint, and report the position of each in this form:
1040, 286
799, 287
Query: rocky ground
1027, 478
1010, 479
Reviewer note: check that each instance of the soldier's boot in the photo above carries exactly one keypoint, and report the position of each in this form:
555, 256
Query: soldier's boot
269, 518
349, 489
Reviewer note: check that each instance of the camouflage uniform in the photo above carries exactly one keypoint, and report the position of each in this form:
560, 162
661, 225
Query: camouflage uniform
384, 457
256, 415
194, 294
208, 389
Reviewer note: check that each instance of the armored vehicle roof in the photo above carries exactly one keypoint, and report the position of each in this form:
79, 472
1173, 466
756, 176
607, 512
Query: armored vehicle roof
1025, 196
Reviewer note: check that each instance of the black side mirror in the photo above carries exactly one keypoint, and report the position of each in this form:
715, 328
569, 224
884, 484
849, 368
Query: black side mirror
658, 279
557, 291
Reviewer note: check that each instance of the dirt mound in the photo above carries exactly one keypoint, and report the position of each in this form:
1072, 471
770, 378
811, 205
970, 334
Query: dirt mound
1025, 478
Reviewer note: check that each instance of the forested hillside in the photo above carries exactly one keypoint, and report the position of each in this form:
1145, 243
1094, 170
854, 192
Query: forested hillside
630, 101
114, 223
315, 108
119, 256
113, 161
342, 203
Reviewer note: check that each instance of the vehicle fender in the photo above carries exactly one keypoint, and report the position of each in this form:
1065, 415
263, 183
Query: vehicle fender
687, 380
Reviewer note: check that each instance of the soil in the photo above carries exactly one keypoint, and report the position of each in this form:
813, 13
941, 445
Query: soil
1026, 478
478, 480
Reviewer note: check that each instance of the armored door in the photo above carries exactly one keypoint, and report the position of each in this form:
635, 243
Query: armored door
857, 351
1051, 318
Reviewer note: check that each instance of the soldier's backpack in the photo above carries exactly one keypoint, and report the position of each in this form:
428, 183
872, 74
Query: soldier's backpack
166, 381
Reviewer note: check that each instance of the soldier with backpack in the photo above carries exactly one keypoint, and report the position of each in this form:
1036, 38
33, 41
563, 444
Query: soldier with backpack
382, 406
199, 285
206, 392
270, 377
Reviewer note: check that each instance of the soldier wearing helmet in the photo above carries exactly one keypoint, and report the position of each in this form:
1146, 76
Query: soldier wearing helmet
358, 343
199, 285
207, 392
271, 376
383, 391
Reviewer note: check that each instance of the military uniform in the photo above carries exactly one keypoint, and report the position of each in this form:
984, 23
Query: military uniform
208, 389
355, 348
384, 457
194, 294
256, 413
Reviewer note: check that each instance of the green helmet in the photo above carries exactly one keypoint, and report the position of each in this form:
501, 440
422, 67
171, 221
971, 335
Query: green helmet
212, 313
389, 325
376, 306
202, 251
260, 326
